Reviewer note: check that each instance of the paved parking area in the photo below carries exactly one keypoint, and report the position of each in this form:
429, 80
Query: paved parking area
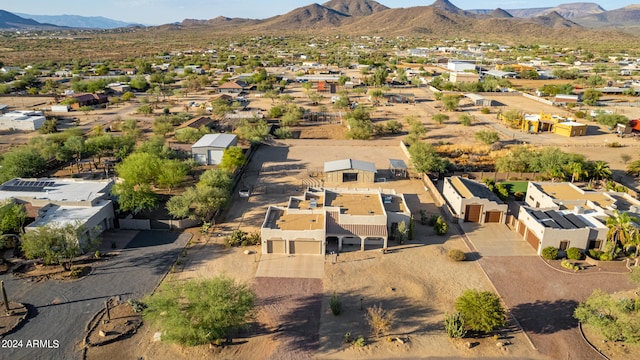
496, 240
291, 266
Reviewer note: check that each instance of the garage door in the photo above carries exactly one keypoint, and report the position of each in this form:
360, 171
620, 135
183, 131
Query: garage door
275, 247
521, 228
472, 213
304, 247
532, 239
215, 156
493, 216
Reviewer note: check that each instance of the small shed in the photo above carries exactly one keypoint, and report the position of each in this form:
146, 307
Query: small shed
350, 171
210, 148
479, 100
398, 168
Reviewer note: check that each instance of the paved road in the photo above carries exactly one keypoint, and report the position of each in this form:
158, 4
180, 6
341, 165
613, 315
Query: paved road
61, 310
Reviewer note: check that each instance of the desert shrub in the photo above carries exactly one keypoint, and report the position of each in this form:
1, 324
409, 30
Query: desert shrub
481, 310
605, 256
454, 325
360, 342
616, 319
580, 114
335, 304
433, 219
283, 133
567, 264
441, 227
347, 338
457, 255
465, 120
485, 110
550, 253
136, 305
574, 253
595, 254
379, 320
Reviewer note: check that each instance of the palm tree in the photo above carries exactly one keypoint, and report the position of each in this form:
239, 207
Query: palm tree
577, 170
621, 230
601, 170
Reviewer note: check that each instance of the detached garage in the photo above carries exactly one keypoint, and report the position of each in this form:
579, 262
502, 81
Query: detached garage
209, 149
473, 202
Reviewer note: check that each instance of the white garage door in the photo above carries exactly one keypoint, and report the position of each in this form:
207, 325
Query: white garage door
215, 156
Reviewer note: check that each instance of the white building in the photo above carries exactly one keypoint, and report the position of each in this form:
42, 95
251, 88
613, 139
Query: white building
460, 66
210, 148
335, 217
24, 120
473, 202
59, 202
562, 215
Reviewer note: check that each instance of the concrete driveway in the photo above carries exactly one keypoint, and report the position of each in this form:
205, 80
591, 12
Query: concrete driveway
291, 266
496, 240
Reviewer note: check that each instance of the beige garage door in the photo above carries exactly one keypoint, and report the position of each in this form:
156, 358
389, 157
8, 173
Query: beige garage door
472, 213
493, 216
304, 247
275, 247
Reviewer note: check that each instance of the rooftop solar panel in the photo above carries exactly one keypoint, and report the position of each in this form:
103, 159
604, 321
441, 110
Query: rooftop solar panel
564, 223
539, 215
576, 220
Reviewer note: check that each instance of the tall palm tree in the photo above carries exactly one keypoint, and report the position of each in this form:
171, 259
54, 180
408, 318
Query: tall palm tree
601, 170
621, 229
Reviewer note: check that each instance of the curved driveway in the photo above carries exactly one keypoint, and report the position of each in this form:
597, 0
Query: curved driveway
61, 310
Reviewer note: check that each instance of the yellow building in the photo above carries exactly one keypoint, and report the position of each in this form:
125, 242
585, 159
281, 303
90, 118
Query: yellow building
570, 129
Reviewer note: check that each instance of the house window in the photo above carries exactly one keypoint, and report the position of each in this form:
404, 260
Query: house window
349, 177
595, 244
564, 245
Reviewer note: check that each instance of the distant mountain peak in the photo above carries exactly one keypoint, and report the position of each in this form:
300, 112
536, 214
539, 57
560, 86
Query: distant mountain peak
447, 6
355, 7
500, 13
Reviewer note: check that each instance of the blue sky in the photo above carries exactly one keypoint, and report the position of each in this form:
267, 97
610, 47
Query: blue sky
153, 12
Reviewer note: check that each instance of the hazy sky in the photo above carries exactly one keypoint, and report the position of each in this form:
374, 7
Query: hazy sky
154, 12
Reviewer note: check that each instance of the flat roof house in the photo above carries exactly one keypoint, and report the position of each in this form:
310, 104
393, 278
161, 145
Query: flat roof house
318, 218
563, 215
473, 202
24, 120
210, 148
64, 201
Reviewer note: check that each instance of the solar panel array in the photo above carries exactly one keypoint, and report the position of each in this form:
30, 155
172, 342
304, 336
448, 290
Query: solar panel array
28, 185
555, 220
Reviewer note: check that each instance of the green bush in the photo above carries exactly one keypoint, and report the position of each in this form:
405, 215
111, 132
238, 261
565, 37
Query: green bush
574, 253
550, 253
441, 227
457, 255
519, 195
595, 254
485, 110
360, 342
454, 325
335, 304
605, 257
433, 219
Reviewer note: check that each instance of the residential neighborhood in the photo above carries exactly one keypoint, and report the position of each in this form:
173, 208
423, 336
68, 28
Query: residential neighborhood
367, 186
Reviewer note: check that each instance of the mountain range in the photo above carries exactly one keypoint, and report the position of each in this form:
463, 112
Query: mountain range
76, 21
364, 17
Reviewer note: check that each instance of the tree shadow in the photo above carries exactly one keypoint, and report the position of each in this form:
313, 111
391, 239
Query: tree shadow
408, 318
546, 317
